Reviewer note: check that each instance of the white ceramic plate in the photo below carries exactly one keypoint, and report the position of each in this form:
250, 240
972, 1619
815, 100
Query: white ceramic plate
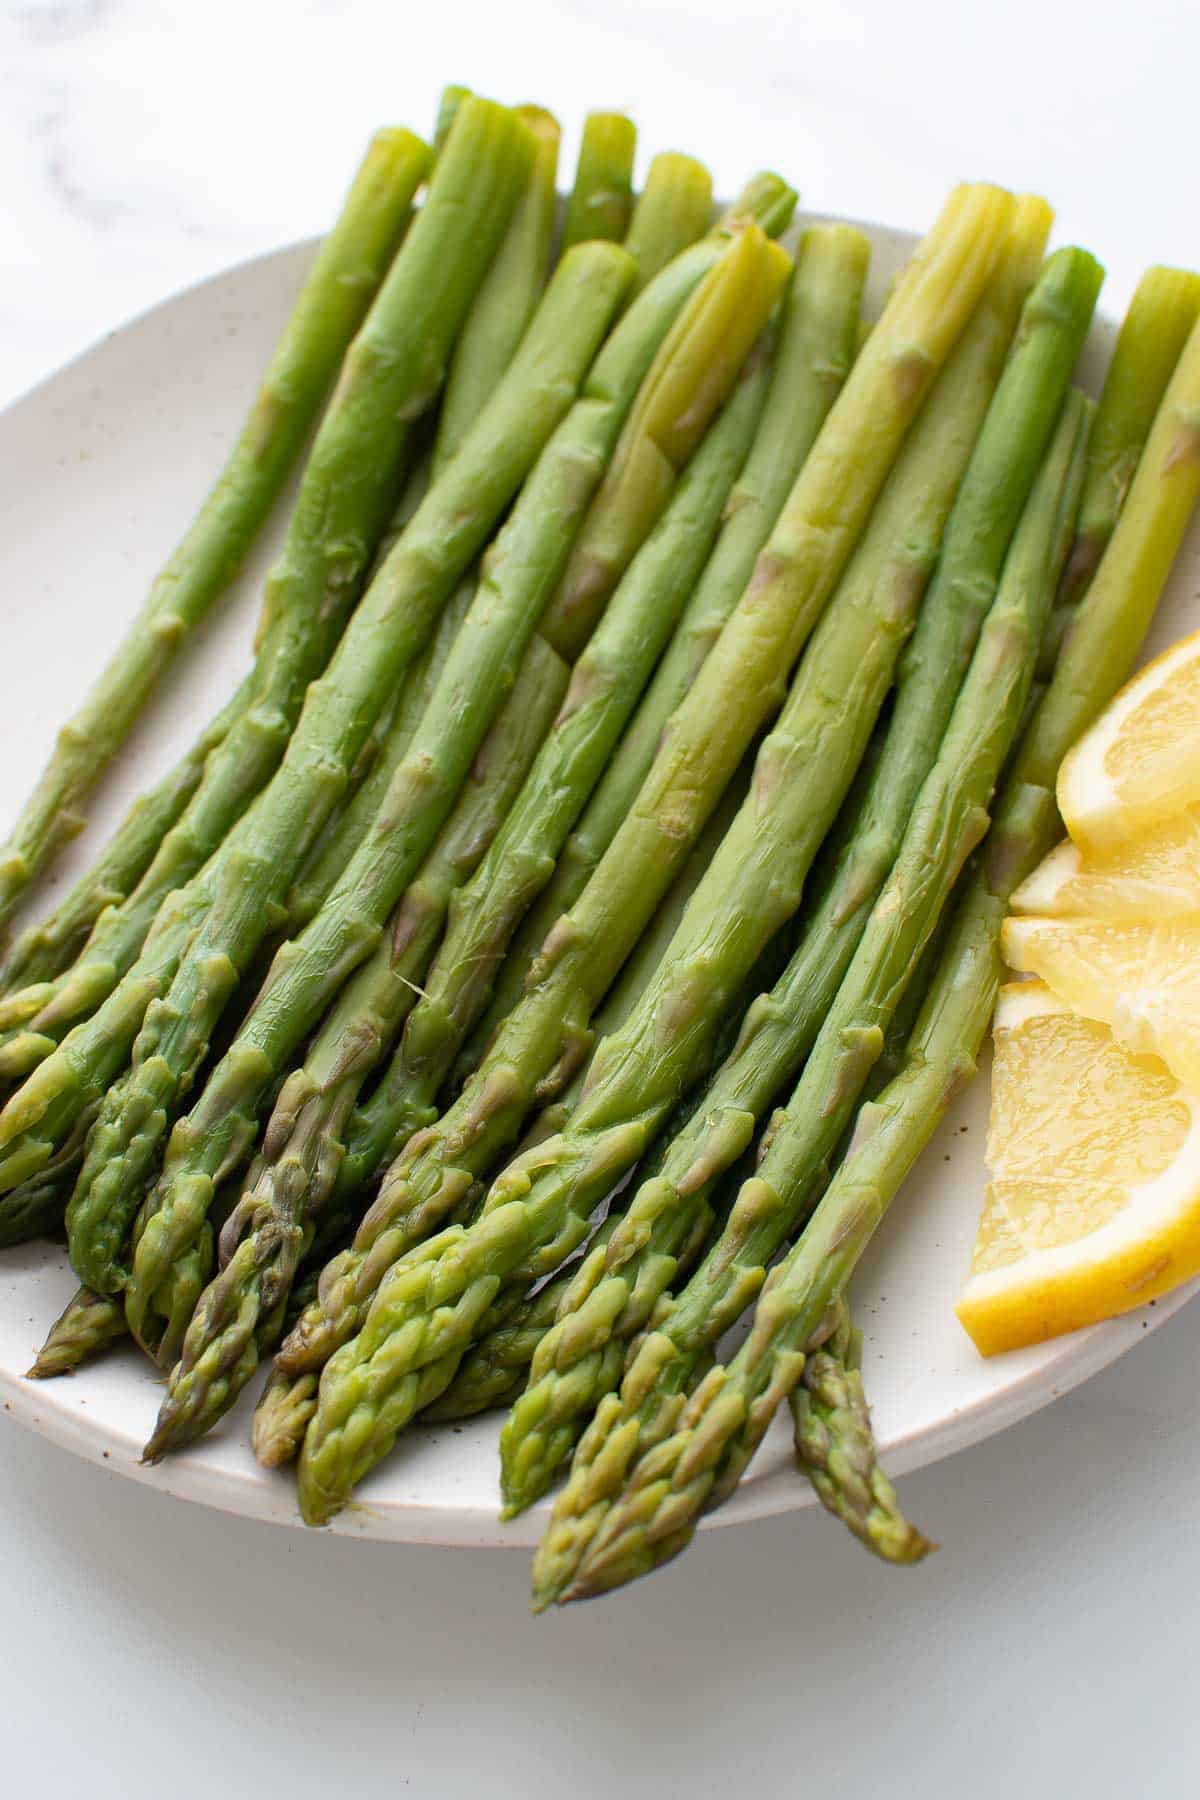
103, 465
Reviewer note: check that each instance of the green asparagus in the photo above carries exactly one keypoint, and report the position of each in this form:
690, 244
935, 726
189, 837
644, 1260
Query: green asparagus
780, 1028
508, 296
451, 98
389, 629
815, 351
543, 1040
493, 329
263, 1240
605, 686
518, 575
1159, 321
348, 270
602, 197
836, 1449
673, 210
44, 950
340, 512
667, 421
288, 1402
536, 1205
86, 1326
606, 1525
767, 198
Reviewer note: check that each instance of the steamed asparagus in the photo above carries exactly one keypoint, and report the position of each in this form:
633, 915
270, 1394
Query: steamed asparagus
633, 1463
780, 1028
349, 268
460, 1273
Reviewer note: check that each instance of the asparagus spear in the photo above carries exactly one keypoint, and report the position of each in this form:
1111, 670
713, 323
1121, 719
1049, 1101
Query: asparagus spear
1159, 321
451, 98
508, 295
86, 1326
816, 343
658, 438
288, 1402
780, 1028
388, 630
673, 210
545, 1037
752, 888
495, 1369
44, 950
346, 830
390, 376
263, 1240
439, 541
602, 198
730, 306
494, 327
767, 198
604, 689
836, 1449
348, 270
636, 1486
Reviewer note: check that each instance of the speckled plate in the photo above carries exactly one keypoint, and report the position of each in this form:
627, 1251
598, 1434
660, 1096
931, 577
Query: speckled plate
103, 465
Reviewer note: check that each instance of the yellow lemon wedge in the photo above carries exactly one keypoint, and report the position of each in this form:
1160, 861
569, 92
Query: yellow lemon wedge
1094, 1205
1141, 977
1140, 761
1156, 876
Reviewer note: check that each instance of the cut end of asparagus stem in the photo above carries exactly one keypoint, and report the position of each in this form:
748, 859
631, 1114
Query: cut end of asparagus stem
602, 198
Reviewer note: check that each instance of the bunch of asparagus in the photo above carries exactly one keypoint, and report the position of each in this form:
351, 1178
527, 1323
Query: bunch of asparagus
658, 693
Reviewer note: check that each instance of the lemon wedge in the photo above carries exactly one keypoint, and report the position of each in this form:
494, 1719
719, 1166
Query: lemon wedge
1140, 761
1142, 978
1152, 877
1094, 1205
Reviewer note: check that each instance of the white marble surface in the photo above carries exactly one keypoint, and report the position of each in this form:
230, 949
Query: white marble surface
1048, 1648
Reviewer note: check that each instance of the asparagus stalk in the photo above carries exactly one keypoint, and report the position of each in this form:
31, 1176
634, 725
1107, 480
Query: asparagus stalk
288, 1402
438, 543
389, 630
391, 374
44, 950
635, 1468
816, 343
666, 423
752, 888
767, 198
673, 210
449, 101
494, 327
346, 830
1157, 326
263, 1240
307, 973
836, 1449
602, 198
495, 1369
508, 296
545, 1037
348, 270
604, 689
779, 1029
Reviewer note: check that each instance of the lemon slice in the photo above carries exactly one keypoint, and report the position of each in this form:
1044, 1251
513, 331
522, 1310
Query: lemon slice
1141, 978
1094, 1206
1152, 877
1140, 761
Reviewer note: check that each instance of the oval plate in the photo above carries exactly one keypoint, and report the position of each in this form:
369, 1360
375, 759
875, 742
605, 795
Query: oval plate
105, 461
